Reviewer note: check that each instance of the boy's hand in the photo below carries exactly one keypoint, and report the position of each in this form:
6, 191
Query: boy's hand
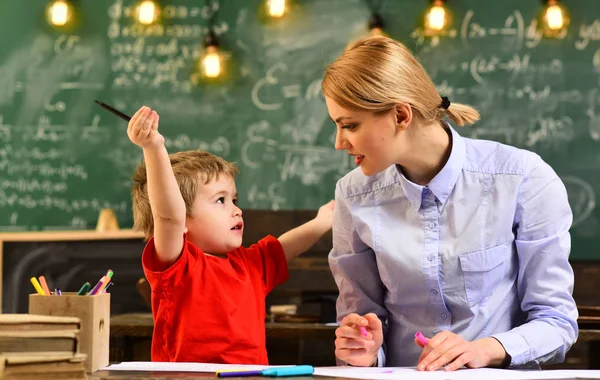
325, 215
143, 129
300, 239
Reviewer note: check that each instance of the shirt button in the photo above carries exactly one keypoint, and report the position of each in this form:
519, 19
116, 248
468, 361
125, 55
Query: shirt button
433, 292
431, 225
444, 316
430, 257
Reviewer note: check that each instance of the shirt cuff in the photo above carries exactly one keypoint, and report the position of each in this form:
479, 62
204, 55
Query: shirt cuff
380, 357
516, 346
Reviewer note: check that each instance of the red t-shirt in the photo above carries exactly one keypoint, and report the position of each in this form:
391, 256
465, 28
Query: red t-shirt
210, 309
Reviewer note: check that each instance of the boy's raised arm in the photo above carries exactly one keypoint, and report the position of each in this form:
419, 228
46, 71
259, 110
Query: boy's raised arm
168, 207
300, 239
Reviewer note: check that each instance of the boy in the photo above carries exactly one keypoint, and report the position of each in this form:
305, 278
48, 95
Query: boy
208, 293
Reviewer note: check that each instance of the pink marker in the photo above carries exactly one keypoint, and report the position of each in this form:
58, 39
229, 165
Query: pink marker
363, 331
421, 338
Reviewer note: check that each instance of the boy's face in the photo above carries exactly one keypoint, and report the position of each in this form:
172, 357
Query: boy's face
216, 225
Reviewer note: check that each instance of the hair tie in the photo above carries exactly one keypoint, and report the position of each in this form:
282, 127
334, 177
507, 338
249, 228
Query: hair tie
445, 103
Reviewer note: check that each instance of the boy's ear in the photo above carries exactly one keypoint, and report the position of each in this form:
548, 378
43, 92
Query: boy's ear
403, 115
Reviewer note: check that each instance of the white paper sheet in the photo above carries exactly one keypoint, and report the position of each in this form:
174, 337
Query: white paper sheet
386, 373
406, 373
181, 367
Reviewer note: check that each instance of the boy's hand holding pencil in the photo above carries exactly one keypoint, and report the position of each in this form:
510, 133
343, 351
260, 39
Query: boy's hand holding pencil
143, 129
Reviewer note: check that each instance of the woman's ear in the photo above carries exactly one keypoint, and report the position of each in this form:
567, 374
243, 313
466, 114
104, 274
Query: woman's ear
403, 115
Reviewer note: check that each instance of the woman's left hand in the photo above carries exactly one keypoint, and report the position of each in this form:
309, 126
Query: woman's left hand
451, 350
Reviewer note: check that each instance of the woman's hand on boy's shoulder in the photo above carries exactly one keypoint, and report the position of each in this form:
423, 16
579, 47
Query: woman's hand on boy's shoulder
325, 215
143, 129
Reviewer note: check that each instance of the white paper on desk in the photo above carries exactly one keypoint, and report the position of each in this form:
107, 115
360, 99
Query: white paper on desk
408, 373
181, 367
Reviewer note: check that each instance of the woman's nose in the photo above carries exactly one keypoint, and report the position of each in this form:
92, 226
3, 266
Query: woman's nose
340, 142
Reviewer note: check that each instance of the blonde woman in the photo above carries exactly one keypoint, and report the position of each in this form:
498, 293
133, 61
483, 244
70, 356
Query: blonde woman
466, 241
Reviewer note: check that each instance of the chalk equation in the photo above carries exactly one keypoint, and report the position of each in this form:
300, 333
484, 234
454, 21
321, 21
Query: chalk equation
269, 92
514, 27
308, 163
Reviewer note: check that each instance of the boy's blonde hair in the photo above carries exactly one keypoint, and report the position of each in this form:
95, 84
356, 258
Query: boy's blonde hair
375, 73
190, 167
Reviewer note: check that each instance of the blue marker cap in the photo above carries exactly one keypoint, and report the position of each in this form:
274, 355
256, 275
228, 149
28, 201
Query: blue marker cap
299, 370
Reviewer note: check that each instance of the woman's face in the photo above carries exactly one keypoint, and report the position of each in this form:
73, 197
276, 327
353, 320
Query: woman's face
371, 138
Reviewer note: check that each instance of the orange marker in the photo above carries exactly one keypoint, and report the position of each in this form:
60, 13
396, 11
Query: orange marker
45, 285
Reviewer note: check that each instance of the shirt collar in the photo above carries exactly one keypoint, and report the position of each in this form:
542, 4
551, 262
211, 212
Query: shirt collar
442, 184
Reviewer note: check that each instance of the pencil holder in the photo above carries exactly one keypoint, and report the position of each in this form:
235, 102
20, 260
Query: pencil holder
94, 313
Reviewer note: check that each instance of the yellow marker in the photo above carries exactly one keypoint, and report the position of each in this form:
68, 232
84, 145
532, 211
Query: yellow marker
230, 370
37, 286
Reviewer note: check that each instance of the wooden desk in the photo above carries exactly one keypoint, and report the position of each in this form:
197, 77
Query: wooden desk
125, 375
592, 337
589, 332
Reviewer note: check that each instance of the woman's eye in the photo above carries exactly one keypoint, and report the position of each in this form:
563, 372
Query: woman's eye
221, 200
349, 126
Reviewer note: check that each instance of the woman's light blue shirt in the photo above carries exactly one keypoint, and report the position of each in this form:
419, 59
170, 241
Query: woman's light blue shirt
481, 251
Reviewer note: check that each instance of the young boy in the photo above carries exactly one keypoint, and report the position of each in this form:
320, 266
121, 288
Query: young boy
208, 292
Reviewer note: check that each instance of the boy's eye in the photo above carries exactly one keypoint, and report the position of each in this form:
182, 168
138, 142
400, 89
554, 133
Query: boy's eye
235, 201
221, 200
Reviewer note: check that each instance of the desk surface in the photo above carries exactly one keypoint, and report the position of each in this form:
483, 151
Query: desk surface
126, 375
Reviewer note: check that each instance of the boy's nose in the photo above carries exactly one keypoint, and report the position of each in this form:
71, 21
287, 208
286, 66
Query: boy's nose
237, 211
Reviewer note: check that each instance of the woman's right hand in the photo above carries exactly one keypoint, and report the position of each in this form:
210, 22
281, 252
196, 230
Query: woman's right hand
143, 129
354, 348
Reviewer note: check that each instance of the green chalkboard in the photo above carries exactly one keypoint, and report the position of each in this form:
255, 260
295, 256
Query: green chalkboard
62, 158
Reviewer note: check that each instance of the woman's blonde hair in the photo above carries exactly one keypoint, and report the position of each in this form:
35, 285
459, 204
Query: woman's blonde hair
191, 168
375, 73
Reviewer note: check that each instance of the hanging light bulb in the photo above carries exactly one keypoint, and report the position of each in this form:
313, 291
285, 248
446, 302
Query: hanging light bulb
59, 12
147, 12
375, 25
555, 18
276, 8
211, 62
436, 17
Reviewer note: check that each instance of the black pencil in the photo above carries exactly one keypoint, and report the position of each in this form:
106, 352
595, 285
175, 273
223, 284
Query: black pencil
109, 108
